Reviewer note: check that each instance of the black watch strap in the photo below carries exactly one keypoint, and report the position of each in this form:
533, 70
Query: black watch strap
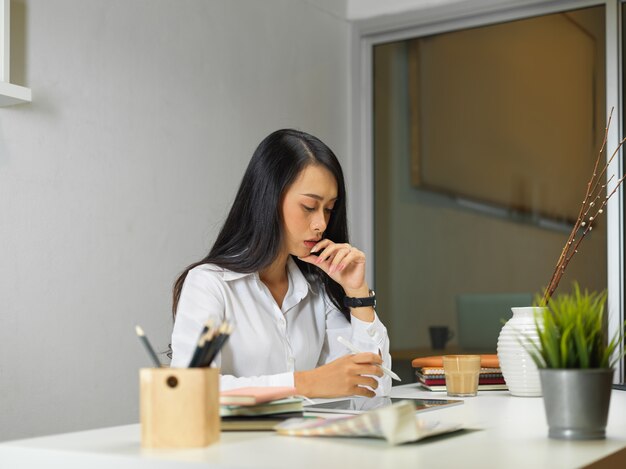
360, 302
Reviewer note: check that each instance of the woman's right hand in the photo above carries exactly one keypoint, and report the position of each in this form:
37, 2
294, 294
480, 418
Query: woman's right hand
345, 376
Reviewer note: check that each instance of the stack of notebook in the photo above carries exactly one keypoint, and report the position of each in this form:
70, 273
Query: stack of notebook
430, 375
258, 408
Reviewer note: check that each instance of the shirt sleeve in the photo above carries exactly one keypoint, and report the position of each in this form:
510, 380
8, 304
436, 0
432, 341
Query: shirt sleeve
200, 300
366, 336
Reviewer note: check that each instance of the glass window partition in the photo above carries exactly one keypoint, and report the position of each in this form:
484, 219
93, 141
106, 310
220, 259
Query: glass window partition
484, 140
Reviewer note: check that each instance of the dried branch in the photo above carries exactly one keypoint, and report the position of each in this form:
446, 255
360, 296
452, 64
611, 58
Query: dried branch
583, 221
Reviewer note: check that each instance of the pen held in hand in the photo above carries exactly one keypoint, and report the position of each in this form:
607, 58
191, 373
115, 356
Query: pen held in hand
148, 347
353, 349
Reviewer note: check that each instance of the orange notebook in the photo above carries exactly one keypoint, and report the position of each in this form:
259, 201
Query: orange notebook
256, 395
486, 361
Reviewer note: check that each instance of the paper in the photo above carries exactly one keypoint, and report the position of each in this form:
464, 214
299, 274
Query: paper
396, 423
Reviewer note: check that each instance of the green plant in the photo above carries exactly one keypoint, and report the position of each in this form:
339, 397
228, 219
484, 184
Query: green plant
571, 333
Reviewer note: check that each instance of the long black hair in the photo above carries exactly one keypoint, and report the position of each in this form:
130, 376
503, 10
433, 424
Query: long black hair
252, 235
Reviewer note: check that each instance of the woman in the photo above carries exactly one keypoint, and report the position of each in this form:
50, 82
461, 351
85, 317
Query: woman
280, 270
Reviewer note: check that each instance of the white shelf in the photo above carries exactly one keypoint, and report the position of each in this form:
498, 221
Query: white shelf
13, 94
9, 94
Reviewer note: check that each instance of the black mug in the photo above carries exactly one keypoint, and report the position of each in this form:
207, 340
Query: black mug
439, 335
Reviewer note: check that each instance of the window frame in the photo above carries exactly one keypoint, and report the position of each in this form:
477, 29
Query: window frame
445, 18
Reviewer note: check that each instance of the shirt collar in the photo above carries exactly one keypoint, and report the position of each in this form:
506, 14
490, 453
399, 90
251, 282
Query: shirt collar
300, 284
231, 275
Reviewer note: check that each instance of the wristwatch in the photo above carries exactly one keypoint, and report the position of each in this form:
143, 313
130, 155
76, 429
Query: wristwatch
359, 302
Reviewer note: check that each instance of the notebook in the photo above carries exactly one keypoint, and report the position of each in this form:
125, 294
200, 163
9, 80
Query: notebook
486, 361
279, 406
255, 395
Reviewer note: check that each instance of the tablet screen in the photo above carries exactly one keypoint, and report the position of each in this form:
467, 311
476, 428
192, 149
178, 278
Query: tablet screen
358, 405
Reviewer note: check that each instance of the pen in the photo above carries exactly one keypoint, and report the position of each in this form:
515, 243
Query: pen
147, 345
353, 349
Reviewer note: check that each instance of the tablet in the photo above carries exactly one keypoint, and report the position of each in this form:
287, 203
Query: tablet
358, 405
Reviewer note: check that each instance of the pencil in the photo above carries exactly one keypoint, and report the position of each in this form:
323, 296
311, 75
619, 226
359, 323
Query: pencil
209, 350
204, 336
146, 344
220, 341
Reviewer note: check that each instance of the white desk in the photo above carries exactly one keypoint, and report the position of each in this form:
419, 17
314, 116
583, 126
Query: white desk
507, 432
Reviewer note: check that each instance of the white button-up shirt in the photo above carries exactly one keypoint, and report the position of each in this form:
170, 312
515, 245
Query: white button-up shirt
269, 342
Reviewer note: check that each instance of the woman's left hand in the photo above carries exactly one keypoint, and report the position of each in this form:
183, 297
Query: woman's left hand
343, 263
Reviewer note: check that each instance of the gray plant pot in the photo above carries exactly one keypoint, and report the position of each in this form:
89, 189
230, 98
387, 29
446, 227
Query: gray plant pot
576, 402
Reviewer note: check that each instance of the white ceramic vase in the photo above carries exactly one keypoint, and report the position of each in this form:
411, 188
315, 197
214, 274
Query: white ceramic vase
519, 370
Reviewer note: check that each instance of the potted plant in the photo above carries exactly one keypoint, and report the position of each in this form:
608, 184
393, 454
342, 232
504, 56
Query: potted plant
576, 363
568, 342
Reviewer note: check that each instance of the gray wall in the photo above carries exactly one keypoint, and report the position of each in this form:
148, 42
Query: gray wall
144, 115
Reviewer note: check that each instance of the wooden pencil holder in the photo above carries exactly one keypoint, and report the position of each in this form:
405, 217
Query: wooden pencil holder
179, 407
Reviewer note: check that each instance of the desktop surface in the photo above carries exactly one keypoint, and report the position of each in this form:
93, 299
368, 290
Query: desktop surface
500, 431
